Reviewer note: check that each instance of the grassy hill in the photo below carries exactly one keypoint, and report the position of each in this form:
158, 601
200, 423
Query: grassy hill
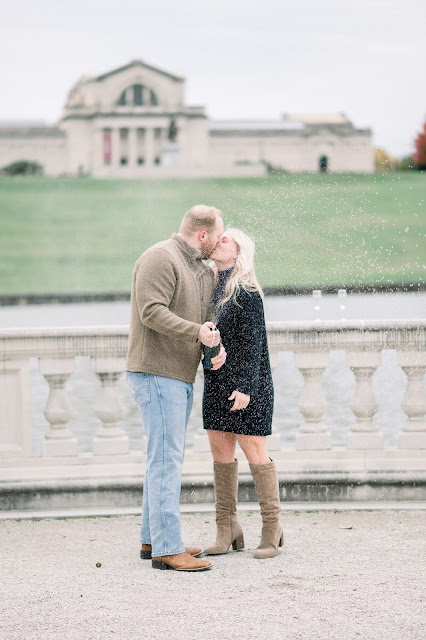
81, 234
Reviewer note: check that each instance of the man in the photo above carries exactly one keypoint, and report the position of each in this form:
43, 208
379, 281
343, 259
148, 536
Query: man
171, 315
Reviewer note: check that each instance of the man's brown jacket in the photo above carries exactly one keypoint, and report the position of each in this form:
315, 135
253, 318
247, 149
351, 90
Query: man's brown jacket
172, 291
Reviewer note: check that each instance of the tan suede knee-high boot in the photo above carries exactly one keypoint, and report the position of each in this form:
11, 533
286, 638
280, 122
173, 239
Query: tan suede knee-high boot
229, 530
267, 489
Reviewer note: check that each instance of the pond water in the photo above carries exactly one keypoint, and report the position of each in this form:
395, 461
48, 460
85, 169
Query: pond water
354, 306
338, 380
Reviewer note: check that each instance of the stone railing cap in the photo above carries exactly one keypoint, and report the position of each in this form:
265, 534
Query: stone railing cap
282, 326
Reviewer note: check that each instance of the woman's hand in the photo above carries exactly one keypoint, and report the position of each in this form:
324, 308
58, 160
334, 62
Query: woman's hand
219, 360
241, 400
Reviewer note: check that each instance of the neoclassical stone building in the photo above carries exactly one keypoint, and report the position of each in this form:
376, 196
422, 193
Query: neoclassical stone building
133, 122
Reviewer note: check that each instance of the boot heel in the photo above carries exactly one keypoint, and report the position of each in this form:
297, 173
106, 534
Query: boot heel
157, 564
146, 555
281, 542
238, 543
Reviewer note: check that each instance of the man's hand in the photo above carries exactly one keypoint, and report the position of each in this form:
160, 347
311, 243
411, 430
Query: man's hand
219, 360
205, 335
241, 400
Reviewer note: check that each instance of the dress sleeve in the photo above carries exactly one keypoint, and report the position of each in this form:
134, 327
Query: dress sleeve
251, 326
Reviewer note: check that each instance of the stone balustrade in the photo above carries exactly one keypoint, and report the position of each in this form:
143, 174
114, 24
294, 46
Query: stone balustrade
311, 343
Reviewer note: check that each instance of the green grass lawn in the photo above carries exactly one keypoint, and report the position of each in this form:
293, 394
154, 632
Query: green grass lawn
81, 234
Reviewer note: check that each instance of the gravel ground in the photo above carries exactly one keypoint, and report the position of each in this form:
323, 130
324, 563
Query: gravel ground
347, 575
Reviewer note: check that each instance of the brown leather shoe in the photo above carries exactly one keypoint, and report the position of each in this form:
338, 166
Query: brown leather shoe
146, 552
181, 562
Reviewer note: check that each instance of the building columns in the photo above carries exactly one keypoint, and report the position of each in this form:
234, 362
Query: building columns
115, 148
149, 146
132, 148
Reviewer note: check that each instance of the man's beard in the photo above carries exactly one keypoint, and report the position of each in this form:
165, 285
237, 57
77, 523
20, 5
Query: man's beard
207, 248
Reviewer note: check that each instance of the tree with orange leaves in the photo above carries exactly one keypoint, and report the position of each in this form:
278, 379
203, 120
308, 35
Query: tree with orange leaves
419, 155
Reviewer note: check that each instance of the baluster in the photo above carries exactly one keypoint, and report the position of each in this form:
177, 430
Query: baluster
313, 434
110, 439
274, 440
15, 409
365, 432
201, 440
413, 434
59, 440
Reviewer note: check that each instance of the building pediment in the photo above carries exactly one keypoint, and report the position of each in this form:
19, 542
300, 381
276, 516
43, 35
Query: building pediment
138, 64
136, 84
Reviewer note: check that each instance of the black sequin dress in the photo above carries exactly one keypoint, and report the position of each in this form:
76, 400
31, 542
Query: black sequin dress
247, 368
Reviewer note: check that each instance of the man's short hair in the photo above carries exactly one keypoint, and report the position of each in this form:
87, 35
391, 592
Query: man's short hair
199, 218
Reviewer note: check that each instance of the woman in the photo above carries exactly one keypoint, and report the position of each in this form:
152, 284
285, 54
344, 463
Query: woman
238, 398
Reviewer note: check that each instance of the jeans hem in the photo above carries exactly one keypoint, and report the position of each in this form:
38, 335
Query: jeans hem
168, 553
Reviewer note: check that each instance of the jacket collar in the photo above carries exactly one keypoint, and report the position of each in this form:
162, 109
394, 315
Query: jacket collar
186, 248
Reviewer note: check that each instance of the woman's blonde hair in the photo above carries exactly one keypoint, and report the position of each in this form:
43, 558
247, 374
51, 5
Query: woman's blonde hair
242, 276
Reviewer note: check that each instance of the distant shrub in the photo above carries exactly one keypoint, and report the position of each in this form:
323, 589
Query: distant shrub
406, 164
23, 168
272, 168
384, 161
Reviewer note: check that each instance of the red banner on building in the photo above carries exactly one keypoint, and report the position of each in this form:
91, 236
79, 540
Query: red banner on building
107, 147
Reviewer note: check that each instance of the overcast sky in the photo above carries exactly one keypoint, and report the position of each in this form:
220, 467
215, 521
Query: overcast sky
241, 59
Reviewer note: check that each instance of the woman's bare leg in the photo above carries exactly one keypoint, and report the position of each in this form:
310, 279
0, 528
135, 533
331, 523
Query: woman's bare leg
254, 448
222, 445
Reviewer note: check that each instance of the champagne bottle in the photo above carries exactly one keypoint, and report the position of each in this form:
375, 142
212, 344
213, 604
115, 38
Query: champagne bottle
210, 351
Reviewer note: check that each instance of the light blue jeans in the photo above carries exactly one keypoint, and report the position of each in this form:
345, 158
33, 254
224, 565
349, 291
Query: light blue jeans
165, 405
